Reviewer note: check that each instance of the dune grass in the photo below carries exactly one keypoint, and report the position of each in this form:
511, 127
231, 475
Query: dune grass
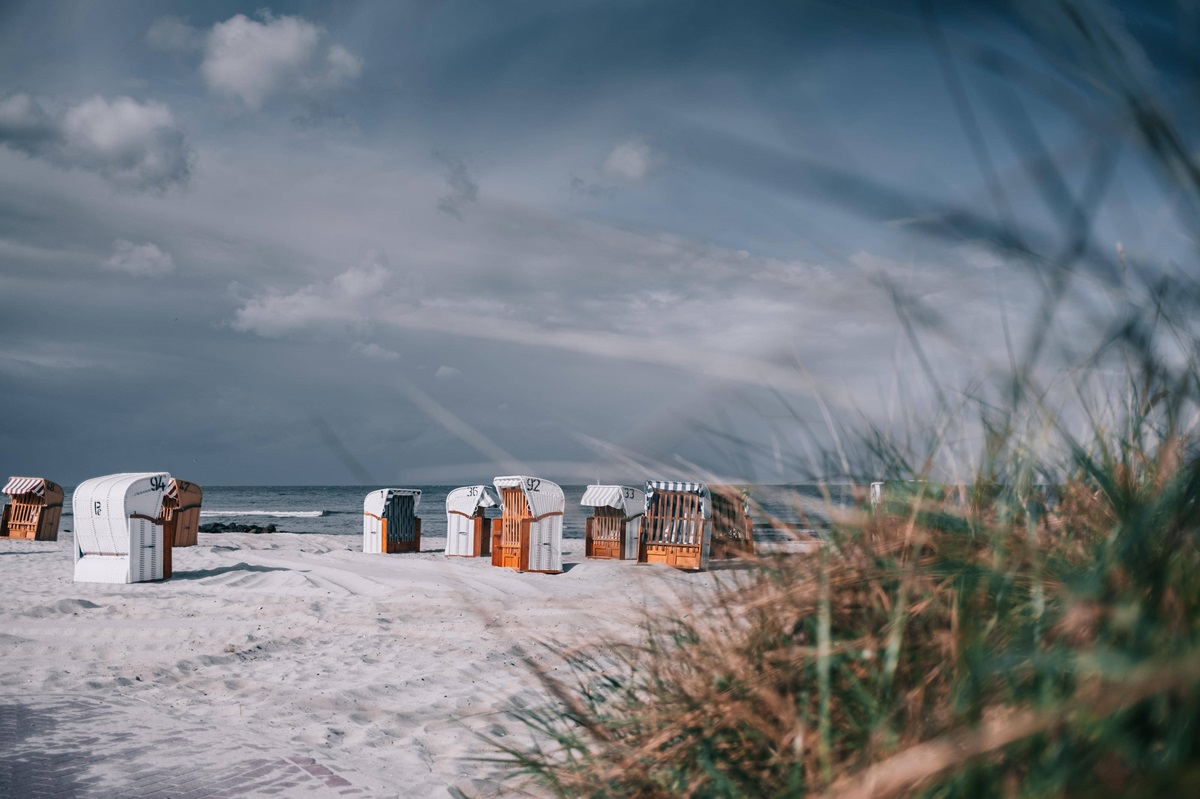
1000, 638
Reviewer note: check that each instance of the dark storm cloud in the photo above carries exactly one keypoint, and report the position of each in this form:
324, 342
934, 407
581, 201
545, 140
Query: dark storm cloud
463, 190
134, 146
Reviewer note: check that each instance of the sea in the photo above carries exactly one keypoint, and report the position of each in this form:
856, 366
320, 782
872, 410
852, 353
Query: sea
337, 510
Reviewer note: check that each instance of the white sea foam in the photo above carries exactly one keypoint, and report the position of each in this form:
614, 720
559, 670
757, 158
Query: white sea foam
290, 514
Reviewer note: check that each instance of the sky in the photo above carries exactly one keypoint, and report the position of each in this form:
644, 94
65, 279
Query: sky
432, 242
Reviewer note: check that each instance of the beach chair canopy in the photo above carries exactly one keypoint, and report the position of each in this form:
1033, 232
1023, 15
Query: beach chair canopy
176, 486
630, 500
118, 535
103, 506
376, 501
542, 496
16, 486
468, 499
699, 489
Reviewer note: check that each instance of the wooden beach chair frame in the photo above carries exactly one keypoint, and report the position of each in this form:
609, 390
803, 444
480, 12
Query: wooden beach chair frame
733, 527
34, 509
611, 532
528, 535
677, 526
181, 512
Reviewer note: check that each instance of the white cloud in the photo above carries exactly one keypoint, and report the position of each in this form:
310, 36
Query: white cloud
374, 351
636, 298
173, 34
446, 372
630, 160
254, 61
134, 146
141, 260
347, 302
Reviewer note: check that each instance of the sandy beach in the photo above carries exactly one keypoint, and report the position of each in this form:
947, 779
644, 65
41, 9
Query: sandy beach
288, 664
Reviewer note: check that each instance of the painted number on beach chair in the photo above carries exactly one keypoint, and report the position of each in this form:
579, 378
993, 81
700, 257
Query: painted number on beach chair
157, 483
96, 507
532, 483
628, 493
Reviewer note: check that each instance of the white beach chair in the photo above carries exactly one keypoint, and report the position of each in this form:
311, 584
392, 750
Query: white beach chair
390, 521
118, 529
468, 530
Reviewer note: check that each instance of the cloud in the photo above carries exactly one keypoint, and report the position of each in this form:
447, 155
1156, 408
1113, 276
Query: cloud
446, 373
140, 260
374, 351
463, 189
630, 160
134, 146
580, 187
635, 298
254, 61
174, 35
347, 302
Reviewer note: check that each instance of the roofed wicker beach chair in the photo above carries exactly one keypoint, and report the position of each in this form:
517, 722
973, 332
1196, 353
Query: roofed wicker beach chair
119, 536
468, 530
733, 527
528, 534
34, 509
390, 521
612, 529
181, 512
677, 527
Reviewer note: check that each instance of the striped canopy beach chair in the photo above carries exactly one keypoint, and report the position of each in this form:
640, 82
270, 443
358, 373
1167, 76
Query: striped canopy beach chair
612, 529
677, 526
118, 528
468, 530
34, 509
528, 534
390, 521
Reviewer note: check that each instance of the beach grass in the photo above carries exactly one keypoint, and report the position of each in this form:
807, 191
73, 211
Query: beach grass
1005, 637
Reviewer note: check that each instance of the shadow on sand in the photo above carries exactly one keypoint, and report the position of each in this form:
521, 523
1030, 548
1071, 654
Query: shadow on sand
237, 567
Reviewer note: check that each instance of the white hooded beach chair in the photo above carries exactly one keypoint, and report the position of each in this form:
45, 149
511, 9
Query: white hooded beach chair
468, 530
677, 527
34, 509
612, 529
528, 536
390, 521
118, 528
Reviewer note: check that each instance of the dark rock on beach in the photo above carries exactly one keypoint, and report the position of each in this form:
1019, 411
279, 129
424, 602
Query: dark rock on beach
220, 527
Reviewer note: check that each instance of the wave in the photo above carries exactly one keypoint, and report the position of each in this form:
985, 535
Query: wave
281, 514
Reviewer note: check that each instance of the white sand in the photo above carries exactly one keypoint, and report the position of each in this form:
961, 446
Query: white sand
381, 667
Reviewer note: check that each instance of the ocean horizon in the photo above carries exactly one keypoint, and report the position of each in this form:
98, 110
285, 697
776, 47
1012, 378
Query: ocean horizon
337, 509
